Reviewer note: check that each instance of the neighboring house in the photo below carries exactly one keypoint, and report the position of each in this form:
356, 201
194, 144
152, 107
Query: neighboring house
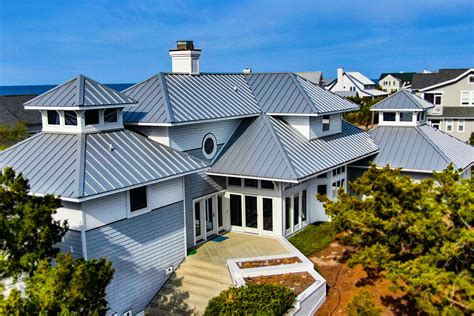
395, 81
354, 84
452, 93
407, 142
315, 77
208, 153
13, 112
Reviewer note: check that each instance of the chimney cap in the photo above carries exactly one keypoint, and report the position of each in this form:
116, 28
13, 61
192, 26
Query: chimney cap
247, 71
184, 45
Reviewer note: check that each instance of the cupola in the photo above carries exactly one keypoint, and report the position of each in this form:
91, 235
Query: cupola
403, 108
80, 105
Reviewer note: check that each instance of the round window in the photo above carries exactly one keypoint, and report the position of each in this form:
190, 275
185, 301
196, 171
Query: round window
209, 146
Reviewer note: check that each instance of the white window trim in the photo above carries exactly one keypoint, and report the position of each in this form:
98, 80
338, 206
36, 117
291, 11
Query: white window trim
470, 100
451, 124
469, 79
214, 151
142, 211
463, 124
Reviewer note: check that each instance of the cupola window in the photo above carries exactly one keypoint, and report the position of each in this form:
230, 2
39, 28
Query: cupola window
70, 117
110, 116
92, 117
406, 116
389, 116
53, 117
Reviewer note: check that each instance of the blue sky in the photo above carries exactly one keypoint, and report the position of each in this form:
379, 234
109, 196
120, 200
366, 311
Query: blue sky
48, 42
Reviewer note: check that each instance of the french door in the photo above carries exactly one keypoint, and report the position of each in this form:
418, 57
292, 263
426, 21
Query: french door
295, 212
250, 213
208, 217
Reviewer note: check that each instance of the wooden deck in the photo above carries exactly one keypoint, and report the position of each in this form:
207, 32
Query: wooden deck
204, 274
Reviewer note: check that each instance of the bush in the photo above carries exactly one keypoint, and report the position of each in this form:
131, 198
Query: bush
252, 299
362, 305
314, 237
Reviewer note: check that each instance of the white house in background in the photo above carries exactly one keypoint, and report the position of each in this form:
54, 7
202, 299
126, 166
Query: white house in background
452, 93
175, 160
395, 81
354, 84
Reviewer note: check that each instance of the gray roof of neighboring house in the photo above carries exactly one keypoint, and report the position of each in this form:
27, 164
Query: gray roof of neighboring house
403, 99
347, 94
424, 80
177, 98
359, 77
79, 92
455, 112
13, 112
313, 76
84, 165
402, 76
270, 148
420, 148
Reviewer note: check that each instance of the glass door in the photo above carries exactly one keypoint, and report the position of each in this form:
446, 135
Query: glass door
267, 211
220, 213
210, 217
251, 214
296, 212
197, 222
235, 205
288, 213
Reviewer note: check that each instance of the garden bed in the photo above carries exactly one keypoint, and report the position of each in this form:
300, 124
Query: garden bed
267, 263
297, 281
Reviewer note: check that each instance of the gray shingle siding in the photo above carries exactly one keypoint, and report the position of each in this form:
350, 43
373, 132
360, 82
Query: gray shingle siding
197, 153
140, 248
197, 185
72, 243
316, 126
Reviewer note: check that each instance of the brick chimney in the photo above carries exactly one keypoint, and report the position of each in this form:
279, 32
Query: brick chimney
185, 58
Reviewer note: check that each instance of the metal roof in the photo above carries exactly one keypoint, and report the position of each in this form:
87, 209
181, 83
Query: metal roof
315, 77
180, 98
403, 99
360, 77
79, 92
85, 165
271, 148
420, 148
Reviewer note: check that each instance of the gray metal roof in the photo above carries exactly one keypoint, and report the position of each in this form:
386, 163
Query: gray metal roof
403, 99
271, 148
313, 76
83, 165
79, 92
420, 148
179, 98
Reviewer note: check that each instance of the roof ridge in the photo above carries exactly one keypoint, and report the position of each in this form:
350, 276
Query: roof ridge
81, 163
164, 90
435, 147
267, 121
80, 90
303, 91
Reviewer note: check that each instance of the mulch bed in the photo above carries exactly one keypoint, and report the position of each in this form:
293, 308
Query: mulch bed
267, 263
297, 282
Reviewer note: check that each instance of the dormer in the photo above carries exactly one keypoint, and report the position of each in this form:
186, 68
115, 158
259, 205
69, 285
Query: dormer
316, 126
80, 105
402, 109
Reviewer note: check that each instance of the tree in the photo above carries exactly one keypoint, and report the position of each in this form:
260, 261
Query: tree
28, 232
362, 305
417, 234
68, 287
363, 116
11, 134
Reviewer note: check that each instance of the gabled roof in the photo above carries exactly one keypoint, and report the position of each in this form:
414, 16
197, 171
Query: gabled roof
270, 148
360, 78
180, 98
402, 76
402, 100
79, 92
315, 77
425, 80
420, 148
77, 166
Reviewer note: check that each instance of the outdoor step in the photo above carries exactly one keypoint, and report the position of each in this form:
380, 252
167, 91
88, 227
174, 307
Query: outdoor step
191, 290
203, 273
191, 299
192, 261
168, 308
198, 281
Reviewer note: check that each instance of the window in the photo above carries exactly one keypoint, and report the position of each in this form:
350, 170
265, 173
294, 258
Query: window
70, 117
209, 146
235, 182
197, 219
389, 116
461, 126
471, 79
435, 124
264, 184
110, 116
220, 221
449, 125
138, 199
267, 214
296, 209
437, 99
251, 183
92, 117
406, 116
303, 206
53, 118
338, 170
322, 189
287, 212
326, 122
235, 205
467, 97
421, 116
336, 185
322, 176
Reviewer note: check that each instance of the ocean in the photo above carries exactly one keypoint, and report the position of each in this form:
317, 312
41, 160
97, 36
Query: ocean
38, 89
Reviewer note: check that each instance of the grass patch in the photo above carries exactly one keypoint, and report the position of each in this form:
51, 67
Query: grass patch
313, 238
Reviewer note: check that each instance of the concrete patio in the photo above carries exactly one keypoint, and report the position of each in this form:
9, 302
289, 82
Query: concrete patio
205, 274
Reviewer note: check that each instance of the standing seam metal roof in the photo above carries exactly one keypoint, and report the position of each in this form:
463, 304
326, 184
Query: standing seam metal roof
83, 165
271, 148
403, 99
80, 91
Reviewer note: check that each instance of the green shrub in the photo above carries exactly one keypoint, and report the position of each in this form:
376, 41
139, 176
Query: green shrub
314, 237
362, 305
252, 299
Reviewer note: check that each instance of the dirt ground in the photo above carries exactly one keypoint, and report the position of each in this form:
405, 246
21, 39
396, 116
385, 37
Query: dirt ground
297, 282
344, 283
